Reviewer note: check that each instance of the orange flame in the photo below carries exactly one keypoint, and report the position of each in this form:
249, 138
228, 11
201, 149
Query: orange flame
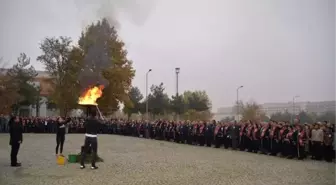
90, 96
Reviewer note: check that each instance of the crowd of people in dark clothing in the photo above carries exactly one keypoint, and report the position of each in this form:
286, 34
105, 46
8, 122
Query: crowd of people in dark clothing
272, 138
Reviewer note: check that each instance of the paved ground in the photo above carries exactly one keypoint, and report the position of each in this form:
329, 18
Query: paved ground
148, 162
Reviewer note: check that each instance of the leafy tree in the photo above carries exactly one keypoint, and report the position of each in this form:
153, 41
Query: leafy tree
304, 117
38, 100
105, 62
252, 111
279, 116
22, 74
8, 91
194, 115
313, 116
63, 62
134, 105
197, 100
158, 100
327, 116
177, 104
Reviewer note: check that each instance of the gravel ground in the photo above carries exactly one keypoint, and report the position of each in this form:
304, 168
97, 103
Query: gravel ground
139, 161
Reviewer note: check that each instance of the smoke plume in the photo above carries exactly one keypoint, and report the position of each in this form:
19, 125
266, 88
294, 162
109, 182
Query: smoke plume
98, 55
112, 10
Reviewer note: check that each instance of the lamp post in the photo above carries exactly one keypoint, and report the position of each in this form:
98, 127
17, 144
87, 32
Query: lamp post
147, 92
177, 71
292, 118
238, 101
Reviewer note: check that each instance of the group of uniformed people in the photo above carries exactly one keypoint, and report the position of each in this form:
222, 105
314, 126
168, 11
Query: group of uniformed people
272, 138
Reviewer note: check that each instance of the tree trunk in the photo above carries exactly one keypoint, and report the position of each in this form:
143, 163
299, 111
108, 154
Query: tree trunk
37, 109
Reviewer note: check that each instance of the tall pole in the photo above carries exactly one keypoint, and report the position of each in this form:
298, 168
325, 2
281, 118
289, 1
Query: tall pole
177, 71
292, 116
147, 92
238, 101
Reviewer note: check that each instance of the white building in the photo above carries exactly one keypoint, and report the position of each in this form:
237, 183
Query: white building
224, 112
272, 108
41, 81
321, 107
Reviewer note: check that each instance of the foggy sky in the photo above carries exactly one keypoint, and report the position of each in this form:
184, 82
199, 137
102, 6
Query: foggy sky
275, 48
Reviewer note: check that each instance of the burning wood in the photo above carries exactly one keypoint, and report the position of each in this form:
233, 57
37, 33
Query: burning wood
90, 96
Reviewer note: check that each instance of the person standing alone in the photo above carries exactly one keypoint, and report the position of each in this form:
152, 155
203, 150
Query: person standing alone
60, 135
15, 131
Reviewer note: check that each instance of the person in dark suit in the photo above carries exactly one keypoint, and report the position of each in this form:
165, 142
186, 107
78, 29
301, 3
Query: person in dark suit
15, 131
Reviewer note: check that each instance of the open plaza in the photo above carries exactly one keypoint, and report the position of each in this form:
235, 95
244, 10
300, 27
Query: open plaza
129, 160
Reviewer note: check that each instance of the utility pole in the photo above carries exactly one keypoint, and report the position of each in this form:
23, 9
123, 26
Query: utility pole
147, 92
238, 102
292, 116
177, 71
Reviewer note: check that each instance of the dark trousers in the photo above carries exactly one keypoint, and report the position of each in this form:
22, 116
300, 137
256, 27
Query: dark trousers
190, 139
328, 152
201, 140
14, 152
90, 142
208, 140
234, 143
227, 142
317, 150
286, 149
264, 145
256, 145
195, 139
301, 152
294, 150
242, 143
218, 141
60, 142
274, 147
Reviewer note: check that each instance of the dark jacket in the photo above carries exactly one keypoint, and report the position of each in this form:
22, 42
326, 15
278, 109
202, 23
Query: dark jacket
15, 131
92, 126
60, 128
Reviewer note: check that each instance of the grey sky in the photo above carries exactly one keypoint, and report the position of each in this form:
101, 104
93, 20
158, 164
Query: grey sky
275, 48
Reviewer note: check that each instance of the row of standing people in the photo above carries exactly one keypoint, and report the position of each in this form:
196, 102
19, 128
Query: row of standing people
273, 138
43, 125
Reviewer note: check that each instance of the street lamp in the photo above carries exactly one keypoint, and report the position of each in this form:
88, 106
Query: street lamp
238, 101
147, 92
177, 71
292, 119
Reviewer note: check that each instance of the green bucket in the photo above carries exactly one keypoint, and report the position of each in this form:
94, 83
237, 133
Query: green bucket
72, 158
